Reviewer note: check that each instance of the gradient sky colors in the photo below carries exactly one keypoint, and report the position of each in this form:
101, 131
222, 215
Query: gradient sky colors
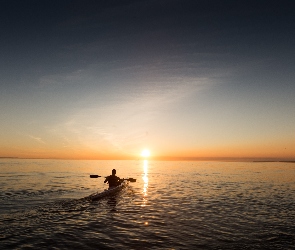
106, 79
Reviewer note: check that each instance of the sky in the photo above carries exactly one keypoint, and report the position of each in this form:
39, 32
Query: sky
185, 79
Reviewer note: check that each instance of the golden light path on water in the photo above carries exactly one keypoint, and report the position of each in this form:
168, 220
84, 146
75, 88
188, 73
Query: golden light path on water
145, 182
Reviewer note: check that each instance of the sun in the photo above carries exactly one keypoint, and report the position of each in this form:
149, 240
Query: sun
145, 153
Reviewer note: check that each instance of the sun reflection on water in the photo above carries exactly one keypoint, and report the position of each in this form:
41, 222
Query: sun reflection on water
145, 182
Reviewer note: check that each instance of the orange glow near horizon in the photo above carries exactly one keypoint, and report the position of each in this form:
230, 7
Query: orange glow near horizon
279, 150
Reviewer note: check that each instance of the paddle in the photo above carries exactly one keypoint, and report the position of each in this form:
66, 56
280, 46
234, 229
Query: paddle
129, 179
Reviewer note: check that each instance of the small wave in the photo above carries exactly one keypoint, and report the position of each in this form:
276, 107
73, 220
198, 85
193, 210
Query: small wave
24, 194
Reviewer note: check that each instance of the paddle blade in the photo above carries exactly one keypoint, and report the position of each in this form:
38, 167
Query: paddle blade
94, 176
131, 180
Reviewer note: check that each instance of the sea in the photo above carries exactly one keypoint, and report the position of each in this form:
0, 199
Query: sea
172, 205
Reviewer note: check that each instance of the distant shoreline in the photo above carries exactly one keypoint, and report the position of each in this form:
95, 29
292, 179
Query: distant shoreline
276, 161
9, 157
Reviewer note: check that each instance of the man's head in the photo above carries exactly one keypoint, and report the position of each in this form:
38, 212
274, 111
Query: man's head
114, 172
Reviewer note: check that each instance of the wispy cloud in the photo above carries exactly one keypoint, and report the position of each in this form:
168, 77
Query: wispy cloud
37, 139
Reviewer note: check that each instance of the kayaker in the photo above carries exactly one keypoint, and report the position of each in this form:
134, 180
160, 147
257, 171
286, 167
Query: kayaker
113, 180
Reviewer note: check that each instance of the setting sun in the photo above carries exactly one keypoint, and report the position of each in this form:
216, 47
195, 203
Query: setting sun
145, 153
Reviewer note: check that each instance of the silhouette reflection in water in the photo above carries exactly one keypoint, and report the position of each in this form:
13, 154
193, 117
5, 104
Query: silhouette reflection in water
112, 202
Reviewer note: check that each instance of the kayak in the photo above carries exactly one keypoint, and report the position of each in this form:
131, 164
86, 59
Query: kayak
108, 192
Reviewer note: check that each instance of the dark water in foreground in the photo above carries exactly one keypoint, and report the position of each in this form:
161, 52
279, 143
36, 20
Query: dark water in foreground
173, 205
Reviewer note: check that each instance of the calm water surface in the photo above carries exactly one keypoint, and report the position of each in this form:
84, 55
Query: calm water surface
173, 205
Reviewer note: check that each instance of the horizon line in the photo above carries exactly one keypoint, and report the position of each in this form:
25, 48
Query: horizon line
167, 158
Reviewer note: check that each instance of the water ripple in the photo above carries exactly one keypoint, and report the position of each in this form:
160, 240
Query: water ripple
183, 206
